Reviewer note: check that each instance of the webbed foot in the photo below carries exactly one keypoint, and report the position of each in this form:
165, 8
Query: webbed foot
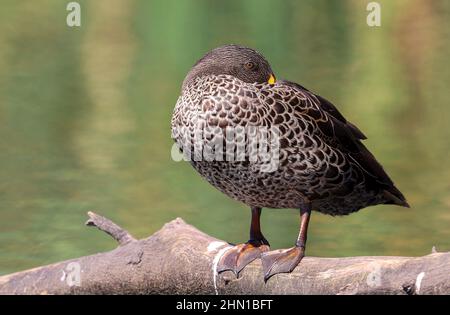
239, 256
281, 261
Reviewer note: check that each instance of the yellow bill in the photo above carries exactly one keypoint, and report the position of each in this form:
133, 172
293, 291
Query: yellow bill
271, 79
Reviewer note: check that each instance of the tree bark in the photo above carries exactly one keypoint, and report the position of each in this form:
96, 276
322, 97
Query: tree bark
179, 259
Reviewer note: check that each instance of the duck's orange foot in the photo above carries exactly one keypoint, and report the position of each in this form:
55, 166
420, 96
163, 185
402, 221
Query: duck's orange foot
281, 261
239, 256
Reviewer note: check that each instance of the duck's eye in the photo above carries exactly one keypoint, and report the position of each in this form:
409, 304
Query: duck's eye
249, 65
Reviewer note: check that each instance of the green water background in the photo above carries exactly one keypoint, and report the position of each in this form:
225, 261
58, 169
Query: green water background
85, 119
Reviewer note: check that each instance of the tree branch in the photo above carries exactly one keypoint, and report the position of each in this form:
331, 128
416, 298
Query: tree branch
109, 227
179, 259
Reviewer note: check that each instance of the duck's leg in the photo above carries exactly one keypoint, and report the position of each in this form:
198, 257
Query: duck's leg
284, 261
239, 256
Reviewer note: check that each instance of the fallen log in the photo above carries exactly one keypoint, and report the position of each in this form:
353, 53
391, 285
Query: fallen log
179, 259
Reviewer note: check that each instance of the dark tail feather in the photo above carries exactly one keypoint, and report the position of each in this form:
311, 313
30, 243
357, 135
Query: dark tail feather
395, 197
377, 177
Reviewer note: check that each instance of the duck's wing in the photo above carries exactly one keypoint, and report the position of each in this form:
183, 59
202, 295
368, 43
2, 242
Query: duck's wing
330, 109
339, 133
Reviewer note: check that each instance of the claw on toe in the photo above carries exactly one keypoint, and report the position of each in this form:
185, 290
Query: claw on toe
239, 256
281, 261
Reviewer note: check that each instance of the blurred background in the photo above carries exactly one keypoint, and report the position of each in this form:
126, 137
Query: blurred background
85, 119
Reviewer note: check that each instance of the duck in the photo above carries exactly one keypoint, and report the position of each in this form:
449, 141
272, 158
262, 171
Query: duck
314, 158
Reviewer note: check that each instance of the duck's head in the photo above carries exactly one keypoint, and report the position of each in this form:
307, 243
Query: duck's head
243, 63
